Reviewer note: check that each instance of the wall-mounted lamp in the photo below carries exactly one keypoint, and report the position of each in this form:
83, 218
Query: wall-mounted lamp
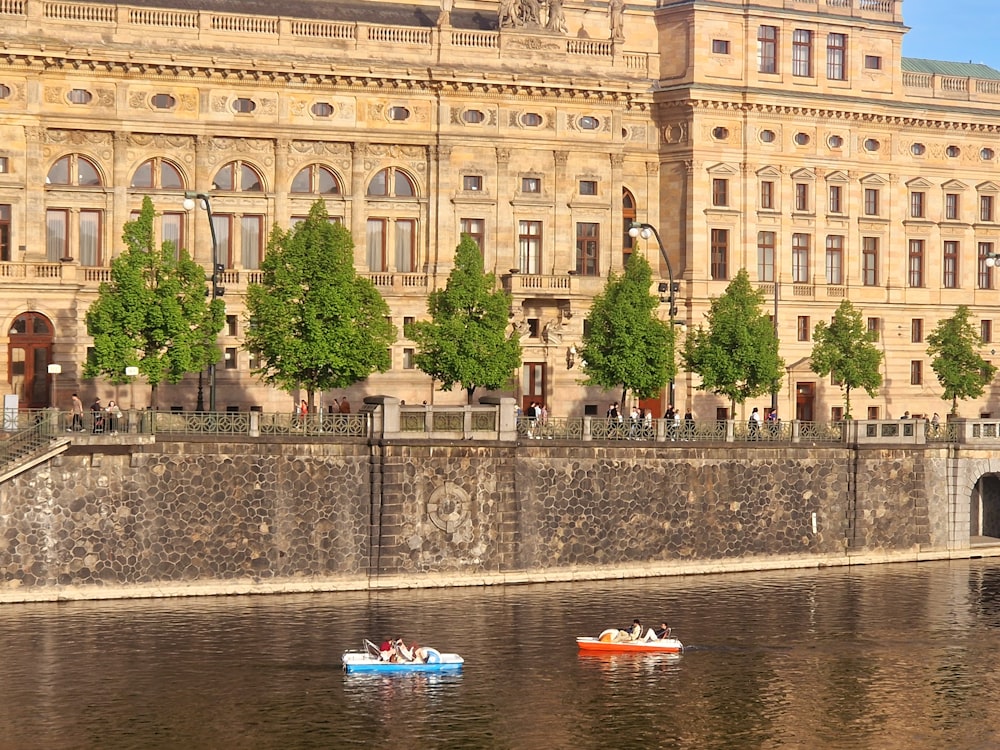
571, 357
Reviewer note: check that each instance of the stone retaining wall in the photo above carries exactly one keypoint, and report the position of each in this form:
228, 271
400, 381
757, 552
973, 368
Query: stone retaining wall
271, 510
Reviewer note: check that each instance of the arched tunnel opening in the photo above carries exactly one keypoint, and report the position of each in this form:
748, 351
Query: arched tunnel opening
984, 519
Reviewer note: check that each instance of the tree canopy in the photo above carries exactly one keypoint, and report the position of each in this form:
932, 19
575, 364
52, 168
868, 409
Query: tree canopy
312, 321
846, 349
466, 341
954, 350
626, 344
736, 352
154, 313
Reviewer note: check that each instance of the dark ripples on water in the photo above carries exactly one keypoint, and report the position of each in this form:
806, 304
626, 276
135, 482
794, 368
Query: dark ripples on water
884, 657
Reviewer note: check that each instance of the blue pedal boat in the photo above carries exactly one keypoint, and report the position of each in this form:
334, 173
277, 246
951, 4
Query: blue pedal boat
369, 660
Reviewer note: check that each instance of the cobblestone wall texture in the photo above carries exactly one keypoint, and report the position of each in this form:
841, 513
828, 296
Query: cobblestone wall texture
263, 511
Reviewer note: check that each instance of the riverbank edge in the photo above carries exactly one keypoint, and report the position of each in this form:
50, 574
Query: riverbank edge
455, 580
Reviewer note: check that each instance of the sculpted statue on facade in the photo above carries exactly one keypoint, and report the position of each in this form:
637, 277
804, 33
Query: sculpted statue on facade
527, 14
616, 18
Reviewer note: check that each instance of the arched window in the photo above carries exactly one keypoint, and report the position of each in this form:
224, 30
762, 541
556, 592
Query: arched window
317, 180
75, 170
157, 173
628, 217
402, 185
238, 177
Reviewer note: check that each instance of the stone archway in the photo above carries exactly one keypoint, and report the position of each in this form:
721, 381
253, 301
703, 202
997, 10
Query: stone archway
29, 352
984, 511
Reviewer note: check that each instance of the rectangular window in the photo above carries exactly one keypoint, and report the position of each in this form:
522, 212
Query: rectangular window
408, 321
836, 199
767, 194
406, 245
951, 206
4, 165
251, 241
986, 208
915, 266
873, 62
223, 224
90, 238
476, 229
800, 258
916, 205
802, 53
588, 237
767, 49
986, 331
529, 242
950, 265
231, 357
531, 184
836, 57
172, 230
408, 359
375, 245
801, 196
985, 275
472, 182
720, 192
916, 372
803, 328
873, 412
765, 256
871, 201
56, 234
916, 330
231, 325
5, 251
720, 254
720, 46
836, 413
834, 259
875, 327
588, 187
869, 261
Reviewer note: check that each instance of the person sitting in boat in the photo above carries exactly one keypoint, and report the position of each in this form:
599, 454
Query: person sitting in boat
656, 634
387, 651
633, 633
404, 652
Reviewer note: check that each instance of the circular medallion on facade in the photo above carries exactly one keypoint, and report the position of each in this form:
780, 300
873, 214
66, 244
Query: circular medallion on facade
448, 507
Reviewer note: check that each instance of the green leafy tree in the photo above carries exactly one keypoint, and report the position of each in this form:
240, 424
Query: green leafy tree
313, 322
846, 349
466, 341
953, 347
154, 313
626, 344
736, 355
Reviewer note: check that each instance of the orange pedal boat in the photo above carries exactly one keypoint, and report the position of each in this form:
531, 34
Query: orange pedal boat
606, 642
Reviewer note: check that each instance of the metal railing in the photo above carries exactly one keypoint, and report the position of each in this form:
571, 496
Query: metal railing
28, 433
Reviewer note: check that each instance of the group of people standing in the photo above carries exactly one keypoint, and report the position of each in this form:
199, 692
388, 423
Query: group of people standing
103, 418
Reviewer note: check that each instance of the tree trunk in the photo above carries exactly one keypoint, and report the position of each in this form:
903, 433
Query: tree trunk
469, 391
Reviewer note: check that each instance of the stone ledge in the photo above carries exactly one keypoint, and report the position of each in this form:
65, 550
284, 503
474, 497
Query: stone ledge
13, 595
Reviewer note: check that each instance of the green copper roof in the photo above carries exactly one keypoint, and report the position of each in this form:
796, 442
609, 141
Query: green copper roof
956, 69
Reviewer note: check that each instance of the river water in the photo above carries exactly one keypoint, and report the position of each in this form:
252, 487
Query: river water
897, 656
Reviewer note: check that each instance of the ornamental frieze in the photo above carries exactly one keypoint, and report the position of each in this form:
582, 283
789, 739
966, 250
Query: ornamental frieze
534, 44
377, 154
160, 141
242, 145
77, 137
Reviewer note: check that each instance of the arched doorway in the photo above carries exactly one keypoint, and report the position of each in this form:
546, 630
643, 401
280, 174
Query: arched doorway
984, 515
28, 356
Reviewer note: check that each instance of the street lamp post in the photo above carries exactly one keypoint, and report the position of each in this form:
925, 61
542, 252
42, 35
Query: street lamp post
54, 371
190, 198
646, 231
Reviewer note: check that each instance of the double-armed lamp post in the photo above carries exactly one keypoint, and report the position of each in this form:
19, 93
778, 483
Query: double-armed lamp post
192, 199
646, 231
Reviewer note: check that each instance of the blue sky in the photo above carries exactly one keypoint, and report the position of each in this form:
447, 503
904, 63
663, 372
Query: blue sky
953, 30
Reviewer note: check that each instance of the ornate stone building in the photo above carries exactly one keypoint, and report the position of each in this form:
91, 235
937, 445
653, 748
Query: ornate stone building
789, 137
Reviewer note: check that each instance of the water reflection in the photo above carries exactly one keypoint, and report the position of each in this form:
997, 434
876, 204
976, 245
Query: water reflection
889, 657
